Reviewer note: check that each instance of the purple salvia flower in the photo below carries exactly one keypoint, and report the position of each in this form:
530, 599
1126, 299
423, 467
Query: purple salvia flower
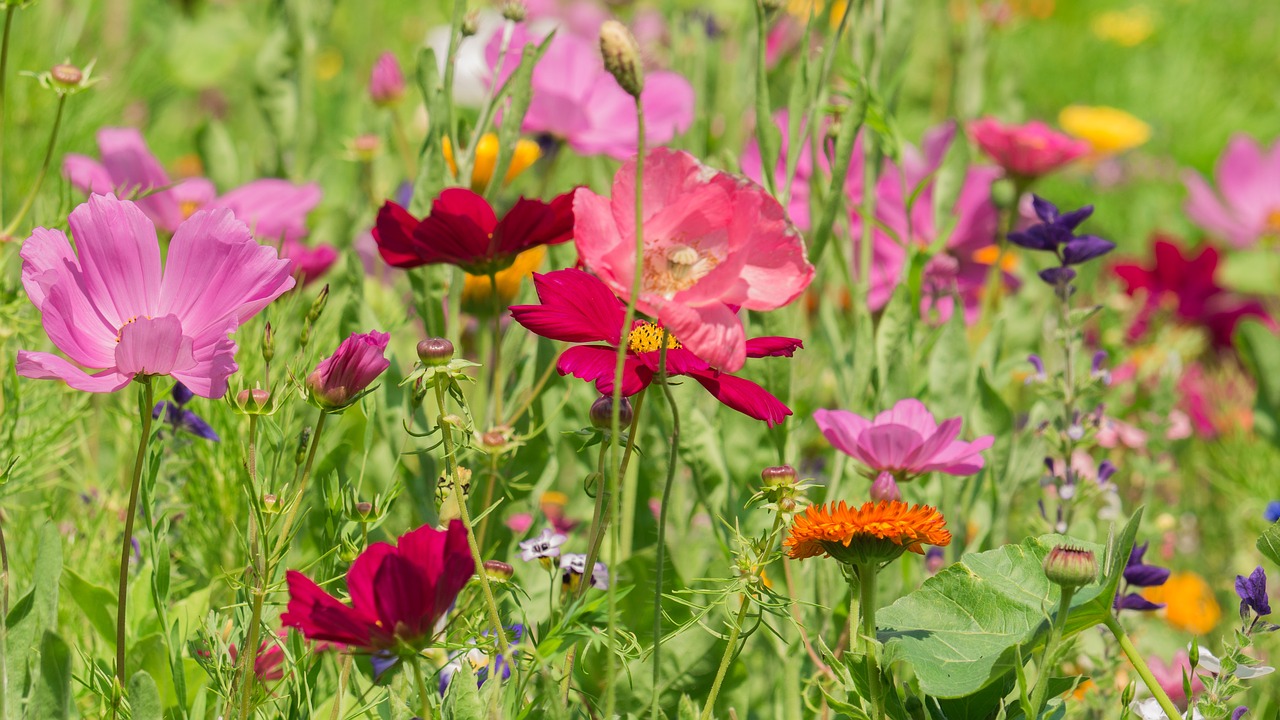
1139, 574
1105, 470
1253, 596
1239, 712
1038, 364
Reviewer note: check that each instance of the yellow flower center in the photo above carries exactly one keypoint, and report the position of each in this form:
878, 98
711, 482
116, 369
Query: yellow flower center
188, 208
678, 268
647, 337
1273, 221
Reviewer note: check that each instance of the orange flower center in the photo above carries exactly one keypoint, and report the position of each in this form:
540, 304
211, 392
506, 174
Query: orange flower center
1273, 221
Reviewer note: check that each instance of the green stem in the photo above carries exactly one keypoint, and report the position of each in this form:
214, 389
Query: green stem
764, 118
402, 144
451, 466
866, 592
1038, 696
423, 695
495, 368
1135, 658
727, 658
603, 510
283, 539
4, 73
343, 674
122, 597
44, 170
672, 458
249, 652
4, 615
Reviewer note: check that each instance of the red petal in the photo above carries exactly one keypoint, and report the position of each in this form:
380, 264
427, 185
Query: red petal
393, 232
596, 363
744, 396
773, 346
576, 307
458, 231
320, 616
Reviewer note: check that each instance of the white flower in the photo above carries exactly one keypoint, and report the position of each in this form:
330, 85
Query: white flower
1210, 662
545, 545
1150, 709
576, 564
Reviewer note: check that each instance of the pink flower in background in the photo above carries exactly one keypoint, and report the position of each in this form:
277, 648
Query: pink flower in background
1026, 151
577, 100
798, 207
904, 441
109, 304
714, 243
340, 378
578, 17
1246, 206
386, 81
275, 210
1170, 676
268, 663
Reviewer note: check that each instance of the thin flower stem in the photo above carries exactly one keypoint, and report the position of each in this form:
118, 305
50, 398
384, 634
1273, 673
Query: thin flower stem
423, 696
600, 520
283, 538
451, 467
1038, 696
249, 653
727, 658
795, 614
1135, 658
495, 369
126, 546
1068, 333
672, 458
343, 674
764, 138
865, 590
402, 144
4, 73
44, 168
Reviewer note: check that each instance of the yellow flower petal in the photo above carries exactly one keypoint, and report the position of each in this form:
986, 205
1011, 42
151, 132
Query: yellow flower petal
1108, 130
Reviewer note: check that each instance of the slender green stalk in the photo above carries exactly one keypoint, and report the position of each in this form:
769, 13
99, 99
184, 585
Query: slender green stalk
249, 652
865, 590
44, 169
727, 658
600, 520
343, 675
451, 467
1135, 658
764, 118
1038, 697
495, 369
126, 546
4, 615
423, 695
672, 458
283, 538
402, 144
4, 73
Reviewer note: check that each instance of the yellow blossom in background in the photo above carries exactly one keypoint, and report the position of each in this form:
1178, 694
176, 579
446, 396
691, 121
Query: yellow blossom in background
1189, 602
328, 64
1108, 130
1126, 28
477, 289
801, 9
526, 153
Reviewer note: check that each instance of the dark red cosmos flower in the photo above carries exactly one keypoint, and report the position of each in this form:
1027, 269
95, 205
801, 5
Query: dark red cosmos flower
1187, 286
398, 592
463, 230
578, 307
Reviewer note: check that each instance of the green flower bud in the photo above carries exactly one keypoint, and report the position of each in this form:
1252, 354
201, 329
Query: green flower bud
1071, 567
621, 54
435, 351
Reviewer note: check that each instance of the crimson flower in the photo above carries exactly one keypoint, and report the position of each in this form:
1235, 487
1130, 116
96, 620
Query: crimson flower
578, 307
463, 230
1187, 285
398, 592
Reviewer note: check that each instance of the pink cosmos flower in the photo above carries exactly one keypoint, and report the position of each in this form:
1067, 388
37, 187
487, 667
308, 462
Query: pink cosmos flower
1026, 151
386, 81
904, 441
1170, 676
713, 243
962, 266
1246, 207
398, 592
108, 304
340, 378
798, 207
577, 100
276, 210
579, 308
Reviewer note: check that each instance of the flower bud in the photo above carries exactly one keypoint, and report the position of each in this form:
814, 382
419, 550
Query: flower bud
364, 508
317, 305
1070, 567
621, 55
470, 24
270, 504
602, 413
268, 343
386, 81
787, 505
66, 75
435, 351
885, 489
365, 147
514, 10
498, 570
779, 475
340, 378
253, 400
304, 439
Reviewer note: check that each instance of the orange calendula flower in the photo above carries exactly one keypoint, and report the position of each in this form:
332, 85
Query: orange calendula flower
876, 532
477, 290
526, 153
1189, 602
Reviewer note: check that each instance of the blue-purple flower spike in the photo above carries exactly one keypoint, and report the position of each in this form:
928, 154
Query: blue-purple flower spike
1252, 590
1056, 234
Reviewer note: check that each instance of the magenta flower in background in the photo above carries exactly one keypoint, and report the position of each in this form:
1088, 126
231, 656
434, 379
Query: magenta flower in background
904, 441
714, 243
340, 378
398, 592
1026, 151
798, 207
1246, 206
576, 100
578, 308
386, 81
275, 210
1170, 677
109, 305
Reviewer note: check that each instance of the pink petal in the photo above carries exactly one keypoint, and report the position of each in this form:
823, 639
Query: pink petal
575, 307
773, 347
309, 262
194, 193
45, 366
961, 458
601, 242
119, 257
744, 396
1241, 173
273, 209
136, 172
596, 363
86, 174
712, 332
53, 280
936, 443
153, 346
910, 413
1206, 210
215, 356
776, 269
888, 447
668, 101
842, 429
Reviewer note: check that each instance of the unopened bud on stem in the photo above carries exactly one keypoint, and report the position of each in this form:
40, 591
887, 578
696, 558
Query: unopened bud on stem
1070, 567
435, 351
602, 413
621, 55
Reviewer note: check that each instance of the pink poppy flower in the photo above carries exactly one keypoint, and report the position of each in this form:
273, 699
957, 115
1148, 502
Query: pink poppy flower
108, 304
386, 81
579, 308
463, 230
340, 378
1026, 151
275, 210
398, 592
904, 441
962, 265
1246, 207
577, 100
713, 243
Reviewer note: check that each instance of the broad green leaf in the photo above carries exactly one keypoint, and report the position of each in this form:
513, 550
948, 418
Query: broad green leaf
39, 612
462, 701
144, 698
51, 694
949, 369
1269, 543
96, 602
966, 626
893, 349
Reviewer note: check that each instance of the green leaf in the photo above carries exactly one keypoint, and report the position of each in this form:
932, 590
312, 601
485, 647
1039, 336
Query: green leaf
966, 626
893, 348
462, 701
949, 370
144, 698
1259, 348
96, 602
1269, 543
26, 624
51, 694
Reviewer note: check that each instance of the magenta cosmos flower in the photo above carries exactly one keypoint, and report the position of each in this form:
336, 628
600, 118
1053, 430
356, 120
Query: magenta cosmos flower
713, 243
276, 210
340, 378
577, 100
904, 441
960, 268
463, 230
1026, 151
578, 308
109, 305
1246, 207
398, 592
